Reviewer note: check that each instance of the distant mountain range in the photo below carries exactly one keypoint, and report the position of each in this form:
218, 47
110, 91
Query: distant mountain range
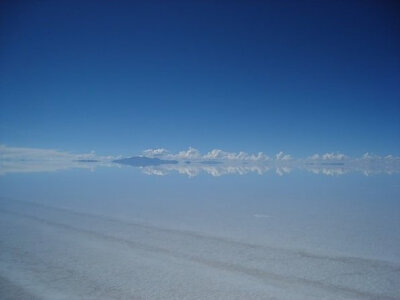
142, 161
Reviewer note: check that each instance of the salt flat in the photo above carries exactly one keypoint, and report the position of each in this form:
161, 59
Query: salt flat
55, 253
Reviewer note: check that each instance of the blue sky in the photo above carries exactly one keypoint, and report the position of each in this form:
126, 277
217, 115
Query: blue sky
297, 76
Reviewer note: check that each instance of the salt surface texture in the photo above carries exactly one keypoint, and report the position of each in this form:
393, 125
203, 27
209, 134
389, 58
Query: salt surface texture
119, 234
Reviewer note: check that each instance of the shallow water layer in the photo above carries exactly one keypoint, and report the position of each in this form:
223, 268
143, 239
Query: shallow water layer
118, 233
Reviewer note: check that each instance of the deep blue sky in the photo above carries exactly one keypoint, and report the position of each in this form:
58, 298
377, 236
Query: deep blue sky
120, 77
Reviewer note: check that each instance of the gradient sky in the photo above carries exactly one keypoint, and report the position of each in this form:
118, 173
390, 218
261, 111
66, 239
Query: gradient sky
121, 77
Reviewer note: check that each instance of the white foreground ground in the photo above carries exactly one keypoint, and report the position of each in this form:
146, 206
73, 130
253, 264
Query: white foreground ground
53, 253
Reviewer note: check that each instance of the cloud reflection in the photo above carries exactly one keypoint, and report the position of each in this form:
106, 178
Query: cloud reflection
192, 163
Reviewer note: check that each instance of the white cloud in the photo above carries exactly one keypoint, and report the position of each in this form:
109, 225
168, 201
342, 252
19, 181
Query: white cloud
219, 154
328, 156
215, 154
283, 156
191, 153
155, 152
367, 156
333, 156
191, 162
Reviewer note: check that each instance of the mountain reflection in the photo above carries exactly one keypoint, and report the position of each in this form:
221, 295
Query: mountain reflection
191, 163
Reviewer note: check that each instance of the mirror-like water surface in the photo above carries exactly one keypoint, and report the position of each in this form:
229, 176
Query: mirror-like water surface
192, 226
